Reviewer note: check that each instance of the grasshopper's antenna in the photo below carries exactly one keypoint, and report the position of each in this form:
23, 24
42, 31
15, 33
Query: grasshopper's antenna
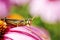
33, 18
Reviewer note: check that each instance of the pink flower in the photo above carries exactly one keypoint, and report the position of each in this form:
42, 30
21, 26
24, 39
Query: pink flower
48, 10
26, 33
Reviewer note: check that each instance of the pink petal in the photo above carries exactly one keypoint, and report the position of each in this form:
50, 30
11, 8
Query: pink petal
3, 9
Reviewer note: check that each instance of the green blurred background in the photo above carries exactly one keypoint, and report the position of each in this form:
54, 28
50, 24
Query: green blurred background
54, 29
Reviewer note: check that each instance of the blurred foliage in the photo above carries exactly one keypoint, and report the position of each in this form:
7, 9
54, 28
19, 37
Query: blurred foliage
54, 29
22, 10
37, 22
